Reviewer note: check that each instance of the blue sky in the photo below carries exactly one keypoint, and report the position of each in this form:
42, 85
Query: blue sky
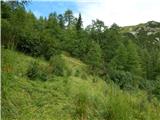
43, 8
122, 12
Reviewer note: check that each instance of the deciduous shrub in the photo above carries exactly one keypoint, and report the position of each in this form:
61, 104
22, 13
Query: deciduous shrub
36, 72
33, 70
59, 67
123, 79
30, 44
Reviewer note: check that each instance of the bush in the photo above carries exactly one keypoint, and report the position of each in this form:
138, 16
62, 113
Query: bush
49, 48
36, 72
59, 67
146, 85
77, 73
123, 79
33, 70
30, 44
156, 89
49, 52
36, 46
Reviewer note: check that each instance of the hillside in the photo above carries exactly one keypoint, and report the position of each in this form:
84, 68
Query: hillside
151, 27
76, 96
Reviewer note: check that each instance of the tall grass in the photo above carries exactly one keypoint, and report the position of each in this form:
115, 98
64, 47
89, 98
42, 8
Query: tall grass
67, 97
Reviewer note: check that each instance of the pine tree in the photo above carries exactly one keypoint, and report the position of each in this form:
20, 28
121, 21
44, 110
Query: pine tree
61, 20
79, 23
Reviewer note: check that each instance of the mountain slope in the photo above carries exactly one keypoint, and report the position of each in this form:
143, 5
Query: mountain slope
151, 27
72, 97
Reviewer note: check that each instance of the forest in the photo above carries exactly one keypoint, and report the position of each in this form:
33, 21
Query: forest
109, 63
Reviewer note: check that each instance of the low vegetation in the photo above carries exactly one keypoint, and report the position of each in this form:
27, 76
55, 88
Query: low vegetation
68, 97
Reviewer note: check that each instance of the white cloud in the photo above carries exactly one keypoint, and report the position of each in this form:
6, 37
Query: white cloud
122, 12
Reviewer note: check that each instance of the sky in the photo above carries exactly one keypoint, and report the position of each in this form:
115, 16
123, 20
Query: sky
122, 12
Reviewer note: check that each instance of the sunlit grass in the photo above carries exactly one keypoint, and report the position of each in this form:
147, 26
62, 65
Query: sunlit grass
67, 97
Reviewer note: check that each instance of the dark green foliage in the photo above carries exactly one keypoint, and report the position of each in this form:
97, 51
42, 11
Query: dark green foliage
123, 79
156, 89
79, 23
119, 62
80, 47
96, 31
35, 72
125, 66
110, 42
48, 52
114, 26
6, 10
30, 45
94, 56
133, 60
13, 16
77, 73
6, 38
61, 21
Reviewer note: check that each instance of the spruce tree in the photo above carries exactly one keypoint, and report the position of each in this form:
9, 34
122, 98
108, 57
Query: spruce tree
79, 23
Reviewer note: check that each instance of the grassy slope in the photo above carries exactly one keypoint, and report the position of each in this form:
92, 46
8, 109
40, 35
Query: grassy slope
67, 98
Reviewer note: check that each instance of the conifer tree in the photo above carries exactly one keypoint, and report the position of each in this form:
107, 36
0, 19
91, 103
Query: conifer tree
133, 60
79, 23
